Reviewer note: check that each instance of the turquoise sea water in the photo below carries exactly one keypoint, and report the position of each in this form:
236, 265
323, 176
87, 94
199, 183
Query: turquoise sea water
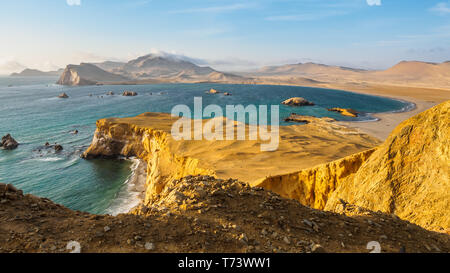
32, 113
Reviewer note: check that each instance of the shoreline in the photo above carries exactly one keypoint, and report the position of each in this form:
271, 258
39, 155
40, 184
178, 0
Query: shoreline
387, 121
422, 99
133, 192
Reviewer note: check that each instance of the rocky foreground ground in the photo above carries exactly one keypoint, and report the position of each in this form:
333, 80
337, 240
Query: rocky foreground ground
203, 214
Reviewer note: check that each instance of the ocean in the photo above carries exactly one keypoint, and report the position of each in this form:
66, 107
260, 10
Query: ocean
31, 112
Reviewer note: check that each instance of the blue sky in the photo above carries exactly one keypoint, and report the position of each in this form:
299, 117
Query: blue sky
229, 35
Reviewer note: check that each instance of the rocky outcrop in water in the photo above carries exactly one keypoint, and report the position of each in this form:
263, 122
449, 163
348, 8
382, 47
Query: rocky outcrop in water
129, 94
297, 102
345, 112
8, 143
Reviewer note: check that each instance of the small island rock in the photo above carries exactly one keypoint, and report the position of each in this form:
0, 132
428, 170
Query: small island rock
345, 112
58, 148
8, 142
297, 101
129, 94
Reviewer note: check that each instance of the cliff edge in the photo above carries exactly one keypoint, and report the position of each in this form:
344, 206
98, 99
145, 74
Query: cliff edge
408, 175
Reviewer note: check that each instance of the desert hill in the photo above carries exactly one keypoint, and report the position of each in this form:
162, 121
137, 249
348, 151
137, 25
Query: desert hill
305, 69
152, 68
88, 74
408, 175
110, 66
37, 73
406, 73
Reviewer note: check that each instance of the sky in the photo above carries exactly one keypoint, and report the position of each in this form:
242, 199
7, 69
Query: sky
228, 35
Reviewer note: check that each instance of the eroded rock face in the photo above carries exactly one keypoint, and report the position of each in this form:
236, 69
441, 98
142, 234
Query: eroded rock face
297, 101
313, 187
409, 175
8, 143
113, 139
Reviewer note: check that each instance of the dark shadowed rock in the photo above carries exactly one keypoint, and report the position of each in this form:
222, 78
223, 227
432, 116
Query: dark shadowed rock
58, 148
8, 143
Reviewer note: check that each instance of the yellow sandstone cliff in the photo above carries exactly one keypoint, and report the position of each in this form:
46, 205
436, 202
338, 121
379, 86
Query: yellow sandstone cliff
148, 137
408, 175
113, 139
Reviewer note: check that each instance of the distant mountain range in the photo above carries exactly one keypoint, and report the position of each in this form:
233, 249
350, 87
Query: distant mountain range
406, 73
152, 68
167, 68
37, 73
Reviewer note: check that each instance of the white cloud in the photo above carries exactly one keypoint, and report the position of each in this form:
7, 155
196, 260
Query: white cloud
74, 2
442, 8
9, 65
374, 2
216, 9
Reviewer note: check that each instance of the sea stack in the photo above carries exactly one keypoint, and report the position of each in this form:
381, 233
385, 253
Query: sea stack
297, 101
8, 143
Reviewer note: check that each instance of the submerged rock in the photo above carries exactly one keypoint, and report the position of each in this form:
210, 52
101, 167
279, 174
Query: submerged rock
129, 94
345, 112
58, 148
8, 143
297, 101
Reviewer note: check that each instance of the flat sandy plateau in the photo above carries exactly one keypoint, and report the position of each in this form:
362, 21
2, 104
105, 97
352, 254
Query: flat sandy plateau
300, 147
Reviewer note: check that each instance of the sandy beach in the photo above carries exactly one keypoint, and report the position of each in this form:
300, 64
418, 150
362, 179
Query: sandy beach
423, 98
